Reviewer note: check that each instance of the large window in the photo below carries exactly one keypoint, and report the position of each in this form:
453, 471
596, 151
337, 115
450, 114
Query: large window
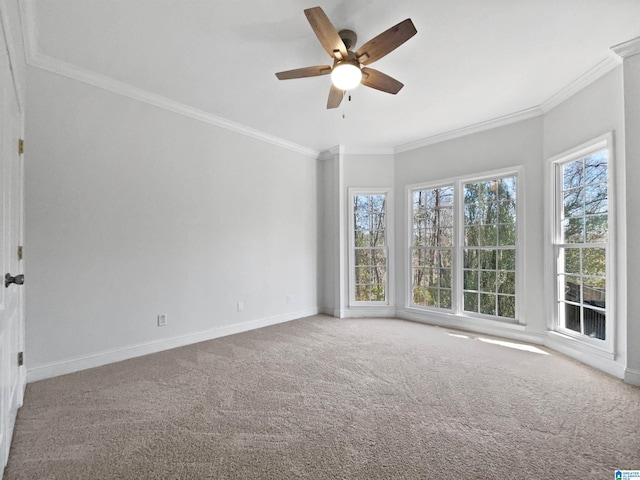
432, 247
369, 248
490, 247
582, 240
463, 247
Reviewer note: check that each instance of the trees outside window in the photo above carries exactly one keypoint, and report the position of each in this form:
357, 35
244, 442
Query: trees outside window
463, 246
432, 247
489, 254
369, 248
581, 233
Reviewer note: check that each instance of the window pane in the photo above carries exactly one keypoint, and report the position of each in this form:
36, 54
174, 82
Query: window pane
571, 260
471, 214
572, 174
377, 293
362, 293
445, 258
432, 297
571, 317
573, 230
419, 296
507, 306
507, 282
574, 202
571, 288
507, 212
488, 281
470, 279
593, 261
506, 234
445, 278
596, 229
488, 235
595, 291
507, 188
471, 236
507, 259
596, 167
445, 299
363, 275
487, 304
470, 302
363, 257
596, 198
594, 323
470, 258
488, 259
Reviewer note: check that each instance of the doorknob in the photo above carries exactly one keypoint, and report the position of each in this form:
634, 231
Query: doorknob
18, 279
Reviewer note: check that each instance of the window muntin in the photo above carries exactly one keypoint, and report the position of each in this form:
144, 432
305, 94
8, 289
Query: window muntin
582, 247
489, 254
432, 247
370, 253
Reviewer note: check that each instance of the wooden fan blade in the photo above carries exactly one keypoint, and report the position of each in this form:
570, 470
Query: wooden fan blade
335, 97
326, 33
304, 72
386, 42
380, 81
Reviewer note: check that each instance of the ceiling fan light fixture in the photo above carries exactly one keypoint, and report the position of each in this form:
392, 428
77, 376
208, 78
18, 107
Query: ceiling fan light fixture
346, 75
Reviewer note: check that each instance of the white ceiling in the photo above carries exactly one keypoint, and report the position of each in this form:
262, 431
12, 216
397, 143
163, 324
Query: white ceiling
471, 61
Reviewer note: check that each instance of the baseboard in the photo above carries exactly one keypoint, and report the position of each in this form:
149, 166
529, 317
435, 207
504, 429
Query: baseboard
632, 376
369, 312
131, 351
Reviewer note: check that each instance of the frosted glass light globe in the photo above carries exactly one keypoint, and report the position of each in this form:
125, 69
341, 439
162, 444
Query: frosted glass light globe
346, 76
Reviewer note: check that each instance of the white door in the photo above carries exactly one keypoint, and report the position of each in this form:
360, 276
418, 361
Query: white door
12, 376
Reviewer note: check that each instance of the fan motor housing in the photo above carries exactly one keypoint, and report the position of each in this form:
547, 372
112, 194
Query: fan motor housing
349, 38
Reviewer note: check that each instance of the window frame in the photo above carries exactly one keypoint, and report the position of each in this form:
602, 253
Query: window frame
457, 296
388, 247
556, 181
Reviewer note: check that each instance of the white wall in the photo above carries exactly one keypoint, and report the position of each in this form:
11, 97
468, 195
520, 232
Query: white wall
133, 211
508, 146
632, 196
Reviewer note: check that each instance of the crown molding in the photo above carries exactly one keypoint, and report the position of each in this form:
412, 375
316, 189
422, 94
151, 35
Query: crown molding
59, 67
583, 81
628, 48
362, 150
332, 152
471, 129
39, 60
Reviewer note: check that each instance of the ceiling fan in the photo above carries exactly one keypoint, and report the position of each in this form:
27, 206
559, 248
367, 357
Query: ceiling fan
347, 71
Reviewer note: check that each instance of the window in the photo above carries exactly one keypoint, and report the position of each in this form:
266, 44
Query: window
581, 240
369, 270
463, 246
489, 256
432, 247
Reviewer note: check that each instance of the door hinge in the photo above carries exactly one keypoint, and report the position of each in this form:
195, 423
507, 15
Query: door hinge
20, 252
20, 146
20, 359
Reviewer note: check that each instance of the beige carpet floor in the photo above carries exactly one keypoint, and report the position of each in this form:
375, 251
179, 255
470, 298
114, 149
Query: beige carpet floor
322, 398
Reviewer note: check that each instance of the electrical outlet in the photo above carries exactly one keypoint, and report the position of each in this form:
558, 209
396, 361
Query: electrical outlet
162, 320
289, 299
240, 306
